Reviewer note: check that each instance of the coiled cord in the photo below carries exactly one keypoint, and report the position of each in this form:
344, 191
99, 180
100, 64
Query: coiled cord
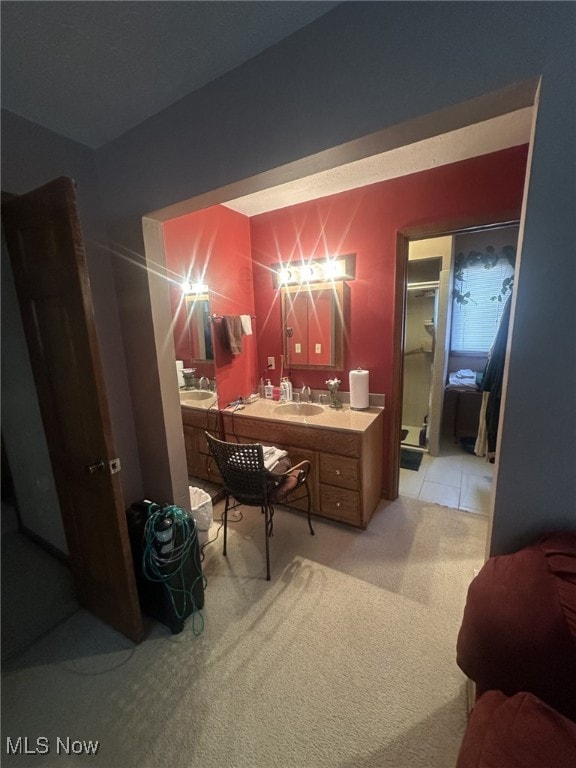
169, 540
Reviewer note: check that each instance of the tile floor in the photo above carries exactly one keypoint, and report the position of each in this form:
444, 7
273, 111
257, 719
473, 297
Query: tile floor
454, 479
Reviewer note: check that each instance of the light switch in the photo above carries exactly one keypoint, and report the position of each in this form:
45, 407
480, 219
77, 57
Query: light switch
318, 349
298, 348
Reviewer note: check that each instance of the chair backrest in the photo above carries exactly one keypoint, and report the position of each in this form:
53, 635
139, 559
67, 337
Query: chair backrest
242, 468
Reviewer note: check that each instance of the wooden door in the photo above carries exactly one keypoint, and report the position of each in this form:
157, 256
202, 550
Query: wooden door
44, 240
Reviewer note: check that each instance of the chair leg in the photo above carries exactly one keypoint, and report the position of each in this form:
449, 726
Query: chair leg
308, 510
225, 516
267, 537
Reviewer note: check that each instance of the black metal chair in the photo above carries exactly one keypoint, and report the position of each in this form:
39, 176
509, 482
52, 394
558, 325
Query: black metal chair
247, 481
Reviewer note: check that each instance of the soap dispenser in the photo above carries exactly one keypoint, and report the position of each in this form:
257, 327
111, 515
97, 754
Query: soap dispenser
268, 390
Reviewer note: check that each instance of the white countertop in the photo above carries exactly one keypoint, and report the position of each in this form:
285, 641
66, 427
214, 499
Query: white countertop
331, 418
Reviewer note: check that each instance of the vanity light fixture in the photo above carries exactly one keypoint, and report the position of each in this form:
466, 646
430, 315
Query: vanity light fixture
315, 271
284, 276
193, 288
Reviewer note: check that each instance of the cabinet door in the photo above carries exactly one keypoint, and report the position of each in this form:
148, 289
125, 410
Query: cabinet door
207, 464
192, 454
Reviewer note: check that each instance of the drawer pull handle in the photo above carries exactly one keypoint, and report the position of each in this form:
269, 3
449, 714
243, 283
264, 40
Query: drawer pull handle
337, 471
338, 505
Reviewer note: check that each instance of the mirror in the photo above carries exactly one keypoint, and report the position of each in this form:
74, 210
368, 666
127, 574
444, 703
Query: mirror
313, 325
192, 328
199, 328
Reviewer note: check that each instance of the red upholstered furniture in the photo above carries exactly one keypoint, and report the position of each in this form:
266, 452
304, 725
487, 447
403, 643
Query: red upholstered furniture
517, 732
518, 635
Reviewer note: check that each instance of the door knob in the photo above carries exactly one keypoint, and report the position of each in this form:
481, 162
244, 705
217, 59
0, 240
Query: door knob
98, 466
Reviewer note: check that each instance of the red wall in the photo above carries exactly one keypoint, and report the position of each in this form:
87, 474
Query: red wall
235, 255
213, 246
366, 222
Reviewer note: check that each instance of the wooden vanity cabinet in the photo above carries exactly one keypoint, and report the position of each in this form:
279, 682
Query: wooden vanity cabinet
340, 496
346, 475
198, 459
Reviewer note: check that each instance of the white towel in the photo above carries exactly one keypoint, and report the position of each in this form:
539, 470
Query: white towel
246, 321
272, 456
462, 383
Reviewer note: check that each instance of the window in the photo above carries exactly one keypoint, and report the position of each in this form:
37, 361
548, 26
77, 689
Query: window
482, 283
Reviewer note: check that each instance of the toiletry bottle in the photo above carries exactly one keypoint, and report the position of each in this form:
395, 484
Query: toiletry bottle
289, 390
268, 390
275, 393
261, 389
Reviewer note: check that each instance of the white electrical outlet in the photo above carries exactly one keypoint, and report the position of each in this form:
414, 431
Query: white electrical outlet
318, 349
298, 349
271, 364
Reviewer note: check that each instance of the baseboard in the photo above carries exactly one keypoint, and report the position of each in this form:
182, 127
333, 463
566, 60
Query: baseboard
45, 545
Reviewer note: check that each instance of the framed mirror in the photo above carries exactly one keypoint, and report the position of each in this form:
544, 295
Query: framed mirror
313, 325
199, 328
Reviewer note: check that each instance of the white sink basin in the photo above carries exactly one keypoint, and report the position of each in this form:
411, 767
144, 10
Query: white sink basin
299, 409
195, 394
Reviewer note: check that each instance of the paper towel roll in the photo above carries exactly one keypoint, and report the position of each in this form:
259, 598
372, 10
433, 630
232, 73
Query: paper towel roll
359, 389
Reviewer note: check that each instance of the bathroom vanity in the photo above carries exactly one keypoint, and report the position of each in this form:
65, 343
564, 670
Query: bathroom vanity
344, 448
199, 415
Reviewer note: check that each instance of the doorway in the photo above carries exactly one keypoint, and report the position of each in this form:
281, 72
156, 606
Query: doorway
424, 360
45, 246
456, 288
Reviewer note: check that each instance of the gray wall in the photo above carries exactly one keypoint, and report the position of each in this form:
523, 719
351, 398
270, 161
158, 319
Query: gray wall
32, 156
361, 68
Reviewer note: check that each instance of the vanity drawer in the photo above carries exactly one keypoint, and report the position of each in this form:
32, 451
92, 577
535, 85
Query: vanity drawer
340, 504
339, 470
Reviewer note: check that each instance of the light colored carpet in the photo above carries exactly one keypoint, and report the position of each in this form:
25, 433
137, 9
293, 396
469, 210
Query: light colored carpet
346, 659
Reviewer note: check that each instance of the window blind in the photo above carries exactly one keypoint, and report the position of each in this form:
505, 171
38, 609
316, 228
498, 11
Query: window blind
475, 323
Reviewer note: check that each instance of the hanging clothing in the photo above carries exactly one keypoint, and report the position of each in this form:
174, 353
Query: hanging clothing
492, 382
481, 445
232, 326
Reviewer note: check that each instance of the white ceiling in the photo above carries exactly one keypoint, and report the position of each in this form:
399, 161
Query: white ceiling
91, 71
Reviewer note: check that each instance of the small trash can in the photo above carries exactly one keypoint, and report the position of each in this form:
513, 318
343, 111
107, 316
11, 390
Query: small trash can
202, 512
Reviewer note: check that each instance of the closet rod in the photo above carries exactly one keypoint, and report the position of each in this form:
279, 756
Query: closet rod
423, 286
